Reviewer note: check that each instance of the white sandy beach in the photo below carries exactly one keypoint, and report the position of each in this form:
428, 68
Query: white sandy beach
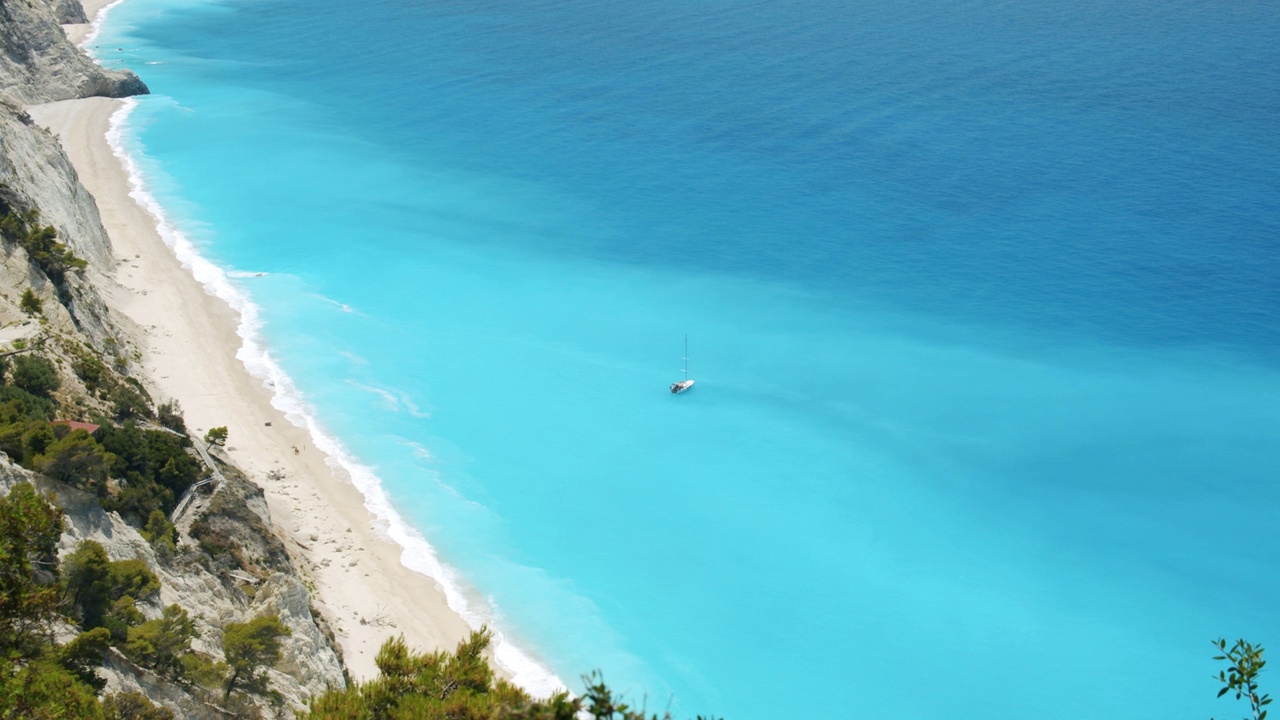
187, 341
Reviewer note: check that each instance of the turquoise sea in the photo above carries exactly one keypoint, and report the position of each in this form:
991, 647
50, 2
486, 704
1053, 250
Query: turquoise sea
981, 297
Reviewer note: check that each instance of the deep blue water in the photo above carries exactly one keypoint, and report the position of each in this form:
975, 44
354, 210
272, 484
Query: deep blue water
981, 299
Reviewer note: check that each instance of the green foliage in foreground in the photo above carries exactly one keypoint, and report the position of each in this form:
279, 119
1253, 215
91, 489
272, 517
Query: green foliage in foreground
29, 530
458, 686
1244, 662
40, 680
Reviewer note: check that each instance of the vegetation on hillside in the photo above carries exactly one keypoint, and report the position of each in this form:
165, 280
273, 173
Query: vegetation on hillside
133, 470
41, 242
38, 678
39, 595
460, 686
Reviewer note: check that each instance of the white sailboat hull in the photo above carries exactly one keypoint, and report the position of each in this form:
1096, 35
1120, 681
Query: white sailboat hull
679, 387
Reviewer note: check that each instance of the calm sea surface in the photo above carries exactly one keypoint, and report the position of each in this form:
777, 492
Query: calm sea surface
981, 298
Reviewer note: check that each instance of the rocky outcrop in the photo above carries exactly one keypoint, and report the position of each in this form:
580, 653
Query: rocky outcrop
39, 64
36, 174
69, 12
309, 661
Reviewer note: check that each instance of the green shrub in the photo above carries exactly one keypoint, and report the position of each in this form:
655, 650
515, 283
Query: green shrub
86, 583
169, 415
35, 374
18, 404
84, 654
41, 243
161, 533
203, 671
30, 303
123, 615
91, 371
160, 644
133, 706
36, 439
133, 578
11, 441
250, 648
101, 592
76, 459
129, 403
216, 436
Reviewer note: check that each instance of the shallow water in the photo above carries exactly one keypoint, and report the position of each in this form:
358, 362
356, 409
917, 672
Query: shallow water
981, 302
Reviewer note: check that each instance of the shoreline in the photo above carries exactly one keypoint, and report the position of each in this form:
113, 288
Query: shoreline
374, 576
189, 350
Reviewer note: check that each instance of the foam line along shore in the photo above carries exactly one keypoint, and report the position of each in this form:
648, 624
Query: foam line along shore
198, 340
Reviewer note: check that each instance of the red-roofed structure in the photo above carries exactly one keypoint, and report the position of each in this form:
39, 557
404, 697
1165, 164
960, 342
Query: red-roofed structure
77, 425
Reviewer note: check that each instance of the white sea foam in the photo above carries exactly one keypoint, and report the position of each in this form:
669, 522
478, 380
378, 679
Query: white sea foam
393, 400
389, 399
340, 305
353, 358
95, 28
419, 451
417, 555
246, 273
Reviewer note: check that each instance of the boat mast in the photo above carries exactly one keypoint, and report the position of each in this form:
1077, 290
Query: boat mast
686, 357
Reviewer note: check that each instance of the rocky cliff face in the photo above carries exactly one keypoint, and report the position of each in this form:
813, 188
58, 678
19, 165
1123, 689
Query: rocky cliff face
39, 64
69, 12
36, 174
212, 595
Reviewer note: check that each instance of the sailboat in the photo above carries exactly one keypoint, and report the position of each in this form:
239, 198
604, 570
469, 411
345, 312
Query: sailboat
687, 382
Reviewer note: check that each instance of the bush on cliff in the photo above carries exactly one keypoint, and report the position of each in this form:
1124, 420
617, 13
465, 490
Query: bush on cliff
133, 706
43, 248
129, 402
250, 649
88, 367
29, 530
38, 678
17, 404
30, 303
161, 533
169, 414
155, 469
77, 460
160, 644
97, 590
35, 374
